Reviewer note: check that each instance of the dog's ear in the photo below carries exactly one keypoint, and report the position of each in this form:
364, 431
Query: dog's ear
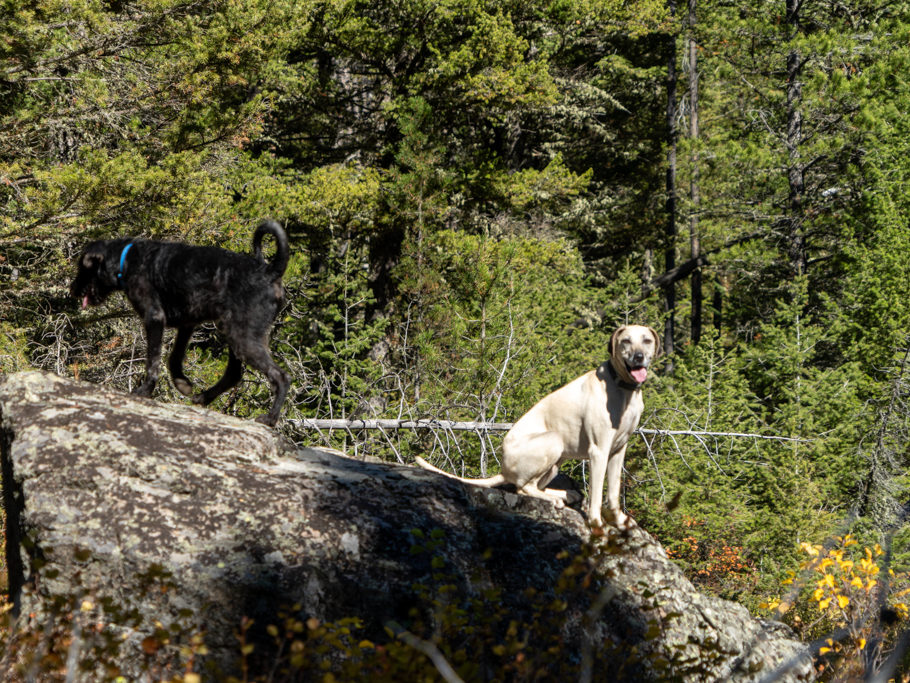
615, 337
657, 347
92, 260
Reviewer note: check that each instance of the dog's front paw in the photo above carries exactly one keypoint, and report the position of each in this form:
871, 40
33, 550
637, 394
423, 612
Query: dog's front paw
183, 386
621, 520
144, 390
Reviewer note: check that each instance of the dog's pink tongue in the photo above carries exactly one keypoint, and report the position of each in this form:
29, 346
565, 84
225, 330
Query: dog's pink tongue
639, 374
85, 301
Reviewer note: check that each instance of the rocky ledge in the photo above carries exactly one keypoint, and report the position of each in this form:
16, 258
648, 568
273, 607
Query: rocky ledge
164, 529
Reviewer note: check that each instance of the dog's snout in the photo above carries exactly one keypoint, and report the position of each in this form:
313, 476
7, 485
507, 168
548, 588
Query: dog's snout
638, 357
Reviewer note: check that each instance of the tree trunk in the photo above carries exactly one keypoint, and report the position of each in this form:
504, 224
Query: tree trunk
795, 170
717, 304
384, 256
694, 197
671, 230
136, 528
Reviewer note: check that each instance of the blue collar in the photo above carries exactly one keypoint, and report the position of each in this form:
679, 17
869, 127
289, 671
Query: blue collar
122, 263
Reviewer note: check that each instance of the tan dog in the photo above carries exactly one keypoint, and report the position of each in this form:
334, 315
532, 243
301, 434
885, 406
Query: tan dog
591, 417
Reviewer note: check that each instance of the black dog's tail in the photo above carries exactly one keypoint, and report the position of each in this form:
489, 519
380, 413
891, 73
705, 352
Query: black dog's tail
279, 262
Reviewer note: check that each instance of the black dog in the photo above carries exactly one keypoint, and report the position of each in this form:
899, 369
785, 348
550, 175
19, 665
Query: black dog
178, 285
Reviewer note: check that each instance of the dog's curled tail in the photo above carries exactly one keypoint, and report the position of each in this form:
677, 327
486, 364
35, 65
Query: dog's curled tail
489, 482
279, 262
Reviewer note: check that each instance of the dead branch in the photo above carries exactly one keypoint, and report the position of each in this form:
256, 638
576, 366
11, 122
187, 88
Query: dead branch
402, 424
483, 427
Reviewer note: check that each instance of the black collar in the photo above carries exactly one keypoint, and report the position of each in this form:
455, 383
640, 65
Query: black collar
621, 382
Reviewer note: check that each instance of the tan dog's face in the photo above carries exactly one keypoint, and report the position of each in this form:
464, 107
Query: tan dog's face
635, 346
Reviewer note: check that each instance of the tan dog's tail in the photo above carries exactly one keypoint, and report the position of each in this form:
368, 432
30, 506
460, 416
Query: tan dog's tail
489, 482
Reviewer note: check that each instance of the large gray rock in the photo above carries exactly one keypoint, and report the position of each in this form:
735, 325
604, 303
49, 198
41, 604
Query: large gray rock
137, 512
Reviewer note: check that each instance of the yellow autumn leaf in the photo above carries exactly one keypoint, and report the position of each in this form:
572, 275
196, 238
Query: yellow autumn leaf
843, 601
862, 643
823, 650
823, 604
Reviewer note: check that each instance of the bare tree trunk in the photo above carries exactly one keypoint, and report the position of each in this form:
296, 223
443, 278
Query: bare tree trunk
671, 231
694, 197
795, 170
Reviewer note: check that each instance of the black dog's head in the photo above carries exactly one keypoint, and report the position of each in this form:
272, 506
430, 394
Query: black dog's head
98, 269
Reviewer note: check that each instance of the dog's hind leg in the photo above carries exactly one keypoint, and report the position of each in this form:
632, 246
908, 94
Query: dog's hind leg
556, 496
255, 353
548, 477
280, 382
531, 461
232, 375
175, 362
544, 480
